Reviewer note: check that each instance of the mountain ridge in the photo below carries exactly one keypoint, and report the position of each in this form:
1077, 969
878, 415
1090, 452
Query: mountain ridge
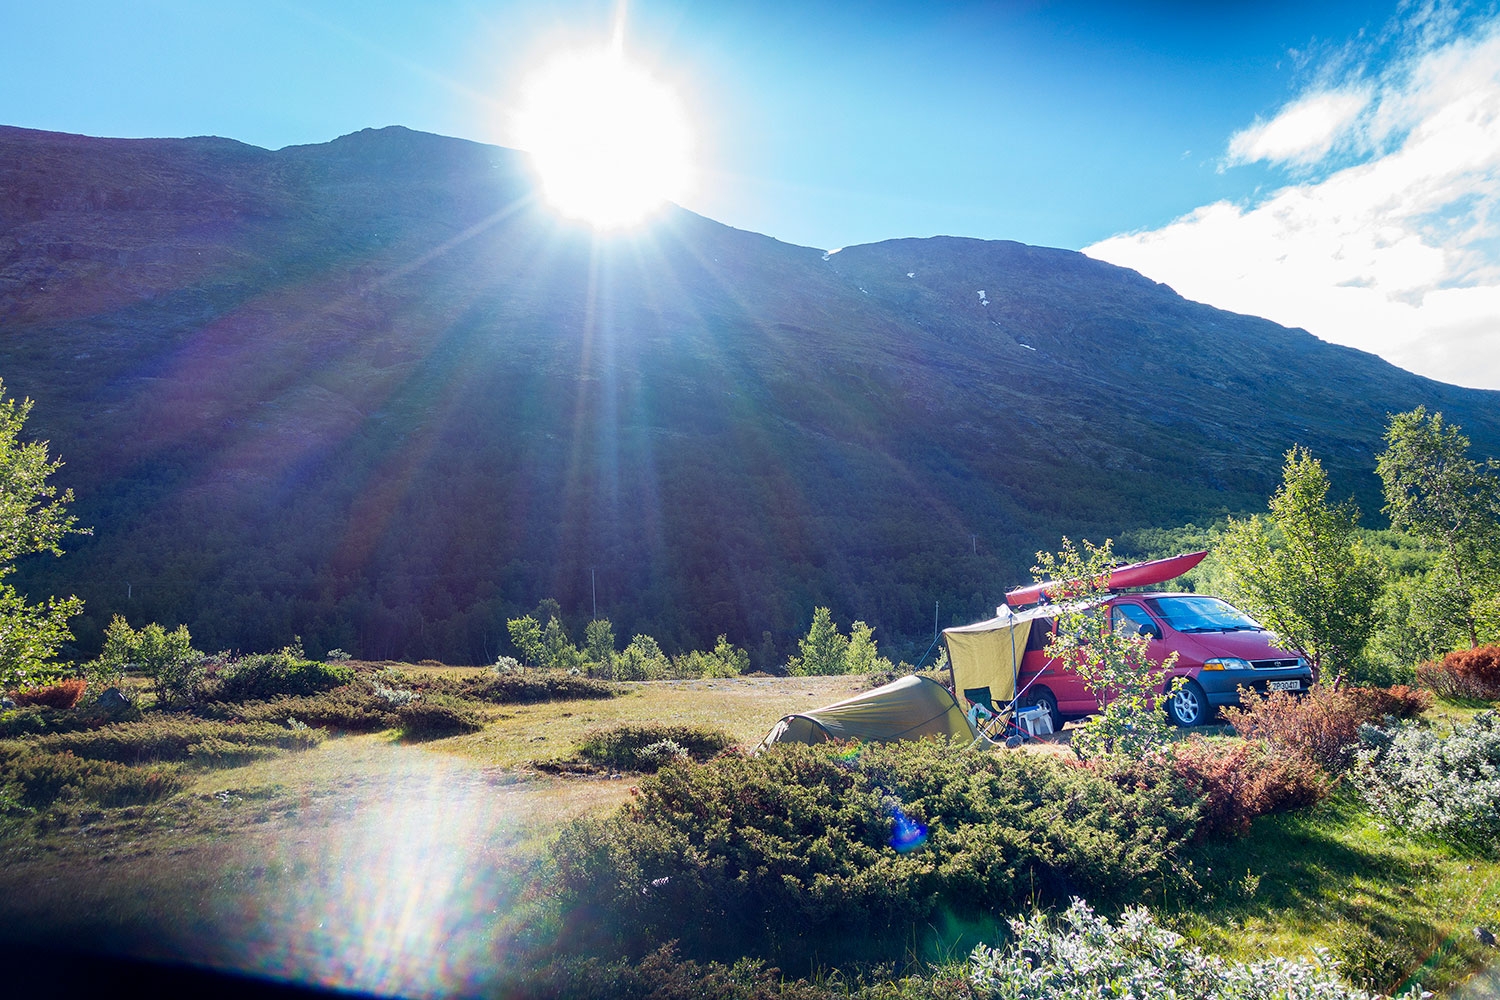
373, 393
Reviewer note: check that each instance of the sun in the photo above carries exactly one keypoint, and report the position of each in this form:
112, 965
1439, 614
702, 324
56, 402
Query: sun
610, 142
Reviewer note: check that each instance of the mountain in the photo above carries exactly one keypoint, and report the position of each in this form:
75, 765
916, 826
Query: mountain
372, 393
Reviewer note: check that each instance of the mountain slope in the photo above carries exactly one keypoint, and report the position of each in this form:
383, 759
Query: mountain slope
371, 393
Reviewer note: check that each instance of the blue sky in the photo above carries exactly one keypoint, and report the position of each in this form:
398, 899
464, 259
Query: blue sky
1156, 135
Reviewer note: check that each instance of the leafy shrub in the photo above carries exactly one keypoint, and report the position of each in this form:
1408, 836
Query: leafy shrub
1464, 673
1086, 956
171, 738
433, 717
1321, 726
642, 660
63, 694
1448, 787
39, 778
724, 660
269, 675
840, 851
176, 669
1236, 781
638, 746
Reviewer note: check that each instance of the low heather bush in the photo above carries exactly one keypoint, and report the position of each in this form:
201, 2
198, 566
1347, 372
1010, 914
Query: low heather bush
63, 694
1238, 780
665, 975
1447, 787
354, 708
843, 852
172, 738
435, 716
37, 778
1083, 955
1397, 701
646, 746
1464, 673
36, 720
516, 688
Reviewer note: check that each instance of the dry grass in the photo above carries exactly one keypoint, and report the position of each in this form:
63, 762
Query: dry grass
745, 708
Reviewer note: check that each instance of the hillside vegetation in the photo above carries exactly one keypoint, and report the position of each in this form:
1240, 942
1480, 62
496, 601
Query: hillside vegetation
368, 392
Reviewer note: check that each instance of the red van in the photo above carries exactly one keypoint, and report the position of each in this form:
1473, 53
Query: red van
1219, 649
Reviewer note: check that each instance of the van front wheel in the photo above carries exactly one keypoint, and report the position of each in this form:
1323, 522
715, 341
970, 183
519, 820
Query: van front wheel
1188, 705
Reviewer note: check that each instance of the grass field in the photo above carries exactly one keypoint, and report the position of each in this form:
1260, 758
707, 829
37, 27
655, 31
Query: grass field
371, 863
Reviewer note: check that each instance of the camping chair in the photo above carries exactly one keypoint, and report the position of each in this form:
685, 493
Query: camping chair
1008, 724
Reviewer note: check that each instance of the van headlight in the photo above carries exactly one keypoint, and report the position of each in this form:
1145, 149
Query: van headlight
1226, 663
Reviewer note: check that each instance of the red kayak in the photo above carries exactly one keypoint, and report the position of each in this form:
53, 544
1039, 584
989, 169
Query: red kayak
1143, 574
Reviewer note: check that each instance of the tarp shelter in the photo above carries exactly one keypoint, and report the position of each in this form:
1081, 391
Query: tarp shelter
985, 657
906, 709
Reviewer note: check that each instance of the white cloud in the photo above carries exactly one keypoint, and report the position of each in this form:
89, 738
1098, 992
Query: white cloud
1398, 254
1304, 131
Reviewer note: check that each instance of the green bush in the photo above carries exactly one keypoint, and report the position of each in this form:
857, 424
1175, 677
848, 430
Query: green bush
646, 746
841, 852
435, 716
171, 738
1086, 956
270, 675
37, 778
1447, 787
176, 669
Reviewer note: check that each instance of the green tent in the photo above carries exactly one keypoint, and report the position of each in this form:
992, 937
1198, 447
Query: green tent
906, 709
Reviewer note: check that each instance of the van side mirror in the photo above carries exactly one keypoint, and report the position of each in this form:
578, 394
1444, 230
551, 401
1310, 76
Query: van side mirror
1150, 631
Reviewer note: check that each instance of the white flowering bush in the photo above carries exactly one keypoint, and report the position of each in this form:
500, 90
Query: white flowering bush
660, 753
393, 696
1085, 955
1447, 787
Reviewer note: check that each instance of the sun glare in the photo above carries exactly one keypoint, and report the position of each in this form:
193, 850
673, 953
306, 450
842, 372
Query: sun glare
610, 143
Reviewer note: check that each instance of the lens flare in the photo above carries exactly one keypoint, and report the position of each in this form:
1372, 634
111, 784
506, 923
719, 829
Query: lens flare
907, 834
610, 142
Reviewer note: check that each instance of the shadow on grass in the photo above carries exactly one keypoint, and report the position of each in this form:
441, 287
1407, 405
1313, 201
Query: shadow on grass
1329, 877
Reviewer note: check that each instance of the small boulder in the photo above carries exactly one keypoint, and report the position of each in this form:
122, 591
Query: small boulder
112, 700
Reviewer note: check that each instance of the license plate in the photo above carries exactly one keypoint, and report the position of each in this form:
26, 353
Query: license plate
1284, 685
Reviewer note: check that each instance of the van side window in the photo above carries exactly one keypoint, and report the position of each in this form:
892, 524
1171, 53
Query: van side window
1128, 618
1041, 634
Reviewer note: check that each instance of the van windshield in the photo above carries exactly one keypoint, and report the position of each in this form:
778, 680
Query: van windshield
1203, 614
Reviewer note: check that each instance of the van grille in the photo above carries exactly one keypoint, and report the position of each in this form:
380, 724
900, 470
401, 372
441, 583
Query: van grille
1273, 664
